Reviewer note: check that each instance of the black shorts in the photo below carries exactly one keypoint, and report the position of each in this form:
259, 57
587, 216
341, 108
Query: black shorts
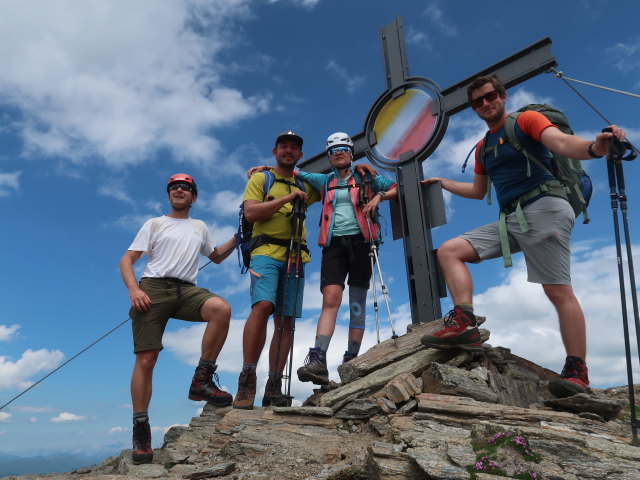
346, 255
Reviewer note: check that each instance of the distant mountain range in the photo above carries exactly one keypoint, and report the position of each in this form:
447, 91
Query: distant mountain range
11, 464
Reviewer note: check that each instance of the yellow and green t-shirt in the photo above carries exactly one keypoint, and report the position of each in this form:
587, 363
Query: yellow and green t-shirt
279, 225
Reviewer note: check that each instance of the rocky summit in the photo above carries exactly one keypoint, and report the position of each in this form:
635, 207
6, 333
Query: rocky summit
406, 412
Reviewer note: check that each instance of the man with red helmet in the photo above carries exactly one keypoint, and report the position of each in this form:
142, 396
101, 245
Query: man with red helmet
166, 290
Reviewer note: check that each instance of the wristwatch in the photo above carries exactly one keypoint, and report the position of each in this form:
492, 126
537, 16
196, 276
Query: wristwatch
382, 194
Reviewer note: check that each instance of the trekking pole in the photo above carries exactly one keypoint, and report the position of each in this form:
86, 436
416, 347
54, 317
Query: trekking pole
290, 253
363, 196
383, 287
299, 216
618, 195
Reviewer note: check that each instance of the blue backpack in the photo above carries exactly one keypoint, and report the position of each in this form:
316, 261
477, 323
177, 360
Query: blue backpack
245, 241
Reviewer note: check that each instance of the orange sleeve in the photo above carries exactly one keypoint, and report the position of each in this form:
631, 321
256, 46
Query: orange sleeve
479, 169
533, 124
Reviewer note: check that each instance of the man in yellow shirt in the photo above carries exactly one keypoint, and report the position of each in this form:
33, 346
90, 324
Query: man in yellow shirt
272, 216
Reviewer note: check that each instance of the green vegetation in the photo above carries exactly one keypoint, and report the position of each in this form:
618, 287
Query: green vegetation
505, 454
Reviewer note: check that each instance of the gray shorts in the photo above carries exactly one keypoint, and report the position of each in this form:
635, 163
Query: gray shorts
545, 245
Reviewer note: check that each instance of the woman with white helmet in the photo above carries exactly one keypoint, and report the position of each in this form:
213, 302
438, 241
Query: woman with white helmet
347, 226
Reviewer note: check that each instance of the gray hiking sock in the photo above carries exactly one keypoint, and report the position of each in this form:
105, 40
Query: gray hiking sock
353, 347
357, 307
322, 342
249, 367
141, 416
208, 364
465, 306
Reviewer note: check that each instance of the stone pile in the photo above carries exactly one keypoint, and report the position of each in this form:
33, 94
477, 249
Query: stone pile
404, 412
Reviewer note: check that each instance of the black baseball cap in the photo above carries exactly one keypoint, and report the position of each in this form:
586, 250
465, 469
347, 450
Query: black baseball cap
289, 135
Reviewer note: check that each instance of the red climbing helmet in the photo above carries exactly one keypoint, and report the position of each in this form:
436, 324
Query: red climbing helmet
183, 178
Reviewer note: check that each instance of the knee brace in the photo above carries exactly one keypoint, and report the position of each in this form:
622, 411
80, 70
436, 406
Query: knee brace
357, 307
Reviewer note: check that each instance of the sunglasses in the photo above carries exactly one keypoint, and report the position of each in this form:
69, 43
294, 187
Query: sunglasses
489, 97
337, 150
185, 187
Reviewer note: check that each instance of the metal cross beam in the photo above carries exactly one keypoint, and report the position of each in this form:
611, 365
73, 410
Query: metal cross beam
419, 209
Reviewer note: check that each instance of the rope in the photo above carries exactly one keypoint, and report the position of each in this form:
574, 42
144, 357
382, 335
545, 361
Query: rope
561, 76
77, 354
65, 363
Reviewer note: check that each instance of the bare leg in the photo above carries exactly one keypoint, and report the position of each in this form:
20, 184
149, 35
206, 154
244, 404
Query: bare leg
141, 379
331, 300
255, 331
453, 256
217, 313
572, 323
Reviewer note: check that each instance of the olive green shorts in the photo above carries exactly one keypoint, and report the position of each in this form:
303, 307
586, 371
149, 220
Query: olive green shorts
169, 299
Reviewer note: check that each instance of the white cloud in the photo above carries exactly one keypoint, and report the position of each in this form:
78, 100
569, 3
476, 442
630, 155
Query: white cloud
116, 193
9, 183
626, 56
352, 82
92, 83
115, 430
18, 374
420, 39
8, 332
5, 417
223, 203
436, 16
33, 420
66, 417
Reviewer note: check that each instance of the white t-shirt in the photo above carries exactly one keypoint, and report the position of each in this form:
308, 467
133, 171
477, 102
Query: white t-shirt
173, 246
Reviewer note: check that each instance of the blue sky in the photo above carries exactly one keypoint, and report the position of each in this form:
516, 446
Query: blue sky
100, 102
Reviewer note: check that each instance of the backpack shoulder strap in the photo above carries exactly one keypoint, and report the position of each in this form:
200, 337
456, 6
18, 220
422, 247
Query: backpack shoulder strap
300, 183
269, 178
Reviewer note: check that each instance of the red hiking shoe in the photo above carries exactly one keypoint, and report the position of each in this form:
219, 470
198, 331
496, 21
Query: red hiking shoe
204, 388
460, 330
574, 379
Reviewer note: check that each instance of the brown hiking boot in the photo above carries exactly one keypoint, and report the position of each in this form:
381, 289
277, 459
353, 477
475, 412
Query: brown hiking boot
246, 391
273, 396
142, 452
204, 388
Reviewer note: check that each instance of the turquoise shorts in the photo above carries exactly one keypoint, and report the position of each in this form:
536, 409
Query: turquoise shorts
268, 284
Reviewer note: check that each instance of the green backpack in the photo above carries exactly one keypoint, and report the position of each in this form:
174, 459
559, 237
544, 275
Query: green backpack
572, 184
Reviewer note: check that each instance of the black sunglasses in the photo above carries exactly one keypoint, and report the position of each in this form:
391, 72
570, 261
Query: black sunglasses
489, 97
185, 187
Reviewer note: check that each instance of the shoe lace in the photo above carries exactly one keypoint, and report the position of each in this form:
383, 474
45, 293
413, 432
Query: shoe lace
450, 319
312, 357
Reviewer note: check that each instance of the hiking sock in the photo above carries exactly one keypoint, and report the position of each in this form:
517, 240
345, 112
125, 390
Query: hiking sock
141, 416
465, 306
249, 367
357, 307
322, 342
208, 364
353, 347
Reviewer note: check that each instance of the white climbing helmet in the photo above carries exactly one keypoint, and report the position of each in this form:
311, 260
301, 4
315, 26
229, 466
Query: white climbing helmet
339, 139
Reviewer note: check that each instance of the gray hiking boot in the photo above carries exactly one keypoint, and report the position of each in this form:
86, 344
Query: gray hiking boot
315, 368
